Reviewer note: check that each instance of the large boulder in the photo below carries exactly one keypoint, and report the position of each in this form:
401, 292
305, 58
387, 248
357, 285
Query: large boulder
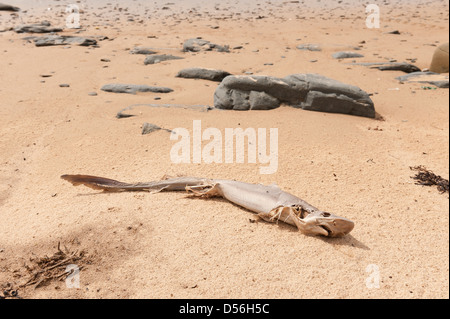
439, 63
307, 91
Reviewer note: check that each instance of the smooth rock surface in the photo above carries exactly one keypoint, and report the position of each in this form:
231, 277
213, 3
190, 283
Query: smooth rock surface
152, 59
439, 62
202, 73
142, 50
133, 88
391, 66
309, 47
346, 55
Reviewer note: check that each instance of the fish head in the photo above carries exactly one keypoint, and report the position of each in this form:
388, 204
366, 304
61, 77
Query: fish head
316, 222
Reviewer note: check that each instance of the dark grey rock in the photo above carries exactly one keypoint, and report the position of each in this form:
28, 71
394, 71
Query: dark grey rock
43, 27
415, 77
309, 47
307, 91
273, 86
262, 101
391, 66
152, 59
202, 73
440, 84
196, 45
133, 88
336, 103
52, 40
346, 55
64, 85
7, 7
146, 51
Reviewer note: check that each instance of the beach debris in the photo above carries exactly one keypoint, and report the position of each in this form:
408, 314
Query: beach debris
152, 59
270, 202
142, 50
346, 55
390, 66
134, 88
309, 47
7, 7
202, 73
41, 271
7, 291
45, 269
42, 27
198, 44
439, 62
428, 178
307, 91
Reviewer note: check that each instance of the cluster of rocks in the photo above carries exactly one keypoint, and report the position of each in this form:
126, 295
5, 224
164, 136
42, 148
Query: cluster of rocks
197, 44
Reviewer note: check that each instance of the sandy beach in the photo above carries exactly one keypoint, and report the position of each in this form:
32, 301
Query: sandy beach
56, 119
